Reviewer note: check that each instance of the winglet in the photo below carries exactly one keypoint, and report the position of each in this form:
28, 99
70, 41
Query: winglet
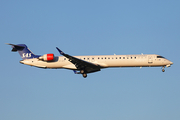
76, 72
60, 51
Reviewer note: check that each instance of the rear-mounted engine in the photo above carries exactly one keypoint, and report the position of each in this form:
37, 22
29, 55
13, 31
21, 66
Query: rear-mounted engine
47, 57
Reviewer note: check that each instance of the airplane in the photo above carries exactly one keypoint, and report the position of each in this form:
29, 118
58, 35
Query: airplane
88, 64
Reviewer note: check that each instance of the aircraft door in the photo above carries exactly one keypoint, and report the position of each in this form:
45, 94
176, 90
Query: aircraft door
150, 59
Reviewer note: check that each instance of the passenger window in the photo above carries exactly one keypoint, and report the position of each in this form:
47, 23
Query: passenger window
119, 57
134, 57
123, 57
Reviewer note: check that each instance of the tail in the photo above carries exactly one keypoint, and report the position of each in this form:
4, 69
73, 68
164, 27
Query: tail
23, 50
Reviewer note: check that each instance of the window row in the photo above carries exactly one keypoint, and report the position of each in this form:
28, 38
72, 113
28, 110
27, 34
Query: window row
116, 57
108, 58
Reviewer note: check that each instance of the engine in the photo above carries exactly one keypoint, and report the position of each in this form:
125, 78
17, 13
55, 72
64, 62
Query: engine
47, 57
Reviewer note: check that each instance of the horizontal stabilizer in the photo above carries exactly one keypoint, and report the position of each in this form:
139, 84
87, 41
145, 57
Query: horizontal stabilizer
15, 48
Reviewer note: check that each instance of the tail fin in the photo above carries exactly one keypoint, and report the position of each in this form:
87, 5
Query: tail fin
23, 50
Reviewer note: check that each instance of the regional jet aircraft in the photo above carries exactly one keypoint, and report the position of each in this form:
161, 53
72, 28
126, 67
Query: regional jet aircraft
88, 64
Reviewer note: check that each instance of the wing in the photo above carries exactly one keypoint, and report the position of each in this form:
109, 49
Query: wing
81, 64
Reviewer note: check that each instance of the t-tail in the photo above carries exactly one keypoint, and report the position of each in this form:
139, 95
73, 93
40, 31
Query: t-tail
23, 50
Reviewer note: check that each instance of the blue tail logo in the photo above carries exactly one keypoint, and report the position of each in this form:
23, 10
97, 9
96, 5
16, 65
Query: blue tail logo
23, 50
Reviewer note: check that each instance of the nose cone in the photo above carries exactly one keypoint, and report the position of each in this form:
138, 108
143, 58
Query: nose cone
171, 62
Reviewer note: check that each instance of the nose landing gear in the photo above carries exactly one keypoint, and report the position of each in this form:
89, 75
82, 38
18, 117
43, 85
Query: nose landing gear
163, 70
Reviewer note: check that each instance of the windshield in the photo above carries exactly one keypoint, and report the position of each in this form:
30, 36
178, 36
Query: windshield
160, 57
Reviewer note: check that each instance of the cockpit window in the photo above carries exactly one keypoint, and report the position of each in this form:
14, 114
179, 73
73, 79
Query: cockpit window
160, 57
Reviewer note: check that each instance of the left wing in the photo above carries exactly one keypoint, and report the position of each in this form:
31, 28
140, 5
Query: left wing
83, 66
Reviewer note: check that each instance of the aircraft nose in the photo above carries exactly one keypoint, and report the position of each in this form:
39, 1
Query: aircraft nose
171, 62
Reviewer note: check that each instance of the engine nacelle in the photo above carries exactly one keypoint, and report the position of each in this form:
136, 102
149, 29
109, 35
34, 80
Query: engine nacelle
47, 57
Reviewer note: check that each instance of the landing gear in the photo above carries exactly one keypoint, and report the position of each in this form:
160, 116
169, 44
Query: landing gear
82, 71
163, 70
84, 75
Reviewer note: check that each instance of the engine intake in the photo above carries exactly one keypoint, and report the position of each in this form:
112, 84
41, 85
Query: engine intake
47, 57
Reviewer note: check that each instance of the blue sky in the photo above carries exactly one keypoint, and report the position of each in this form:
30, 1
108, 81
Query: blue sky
84, 27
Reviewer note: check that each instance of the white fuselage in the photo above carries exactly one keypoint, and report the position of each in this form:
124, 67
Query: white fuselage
147, 60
